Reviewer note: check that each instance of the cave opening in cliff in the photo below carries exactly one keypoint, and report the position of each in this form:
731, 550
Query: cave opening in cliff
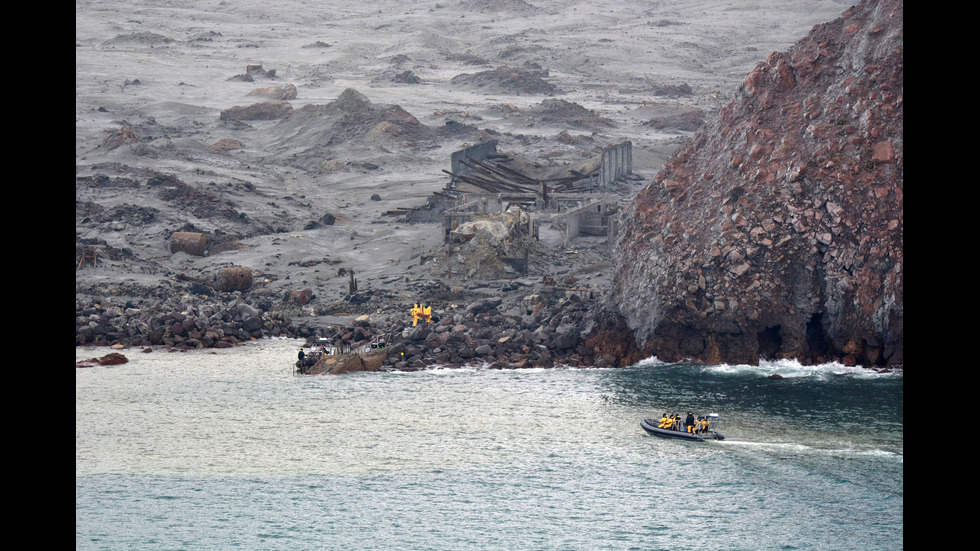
770, 343
817, 342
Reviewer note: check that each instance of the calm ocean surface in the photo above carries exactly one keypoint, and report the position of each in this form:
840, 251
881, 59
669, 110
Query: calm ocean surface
229, 450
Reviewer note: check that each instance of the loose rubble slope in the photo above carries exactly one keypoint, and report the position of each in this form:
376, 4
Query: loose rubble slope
778, 231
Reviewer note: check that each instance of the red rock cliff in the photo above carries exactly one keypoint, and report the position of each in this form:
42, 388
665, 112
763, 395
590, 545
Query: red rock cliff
777, 232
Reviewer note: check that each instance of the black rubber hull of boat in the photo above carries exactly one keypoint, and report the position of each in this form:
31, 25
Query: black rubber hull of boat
651, 427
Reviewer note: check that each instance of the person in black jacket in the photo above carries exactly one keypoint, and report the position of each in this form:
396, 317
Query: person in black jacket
689, 422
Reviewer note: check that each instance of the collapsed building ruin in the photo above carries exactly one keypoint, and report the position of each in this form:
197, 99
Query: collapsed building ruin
495, 204
487, 186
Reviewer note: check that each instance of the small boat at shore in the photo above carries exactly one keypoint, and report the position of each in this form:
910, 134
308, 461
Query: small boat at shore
710, 433
323, 356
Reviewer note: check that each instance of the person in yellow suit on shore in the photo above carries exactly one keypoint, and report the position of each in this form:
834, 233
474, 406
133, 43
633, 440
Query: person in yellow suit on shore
420, 313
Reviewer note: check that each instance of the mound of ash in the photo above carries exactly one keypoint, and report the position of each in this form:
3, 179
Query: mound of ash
165, 205
262, 111
517, 7
189, 199
306, 135
148, 38
778, 231
674, 118
526, 80
565, 113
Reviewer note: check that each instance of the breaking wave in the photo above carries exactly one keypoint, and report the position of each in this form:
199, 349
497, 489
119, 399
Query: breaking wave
786, 368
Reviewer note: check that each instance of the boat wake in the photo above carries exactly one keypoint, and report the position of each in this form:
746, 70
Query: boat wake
828, 449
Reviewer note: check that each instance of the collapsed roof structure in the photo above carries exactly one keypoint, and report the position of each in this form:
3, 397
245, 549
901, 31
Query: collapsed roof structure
486, 183
495, 203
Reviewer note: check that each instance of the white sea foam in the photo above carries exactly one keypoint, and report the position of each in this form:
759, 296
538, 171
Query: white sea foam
786, 368
791, 368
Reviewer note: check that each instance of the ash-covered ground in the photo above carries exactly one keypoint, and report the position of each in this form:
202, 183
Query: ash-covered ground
289, 132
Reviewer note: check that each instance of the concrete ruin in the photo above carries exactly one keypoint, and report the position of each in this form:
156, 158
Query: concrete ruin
575, 204
616, 163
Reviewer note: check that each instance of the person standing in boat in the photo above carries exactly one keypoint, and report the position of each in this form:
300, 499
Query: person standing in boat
689, 422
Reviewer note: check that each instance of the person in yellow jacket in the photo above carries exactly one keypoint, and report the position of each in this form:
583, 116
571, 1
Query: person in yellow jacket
664, 421
703, 424
420, 313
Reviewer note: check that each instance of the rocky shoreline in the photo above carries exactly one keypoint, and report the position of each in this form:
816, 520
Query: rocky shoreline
567, 331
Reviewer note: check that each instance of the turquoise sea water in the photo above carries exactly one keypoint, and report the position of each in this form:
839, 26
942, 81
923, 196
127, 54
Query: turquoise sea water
230, 450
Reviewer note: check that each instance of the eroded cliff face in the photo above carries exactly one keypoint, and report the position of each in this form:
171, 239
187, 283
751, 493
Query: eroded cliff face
777, 232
